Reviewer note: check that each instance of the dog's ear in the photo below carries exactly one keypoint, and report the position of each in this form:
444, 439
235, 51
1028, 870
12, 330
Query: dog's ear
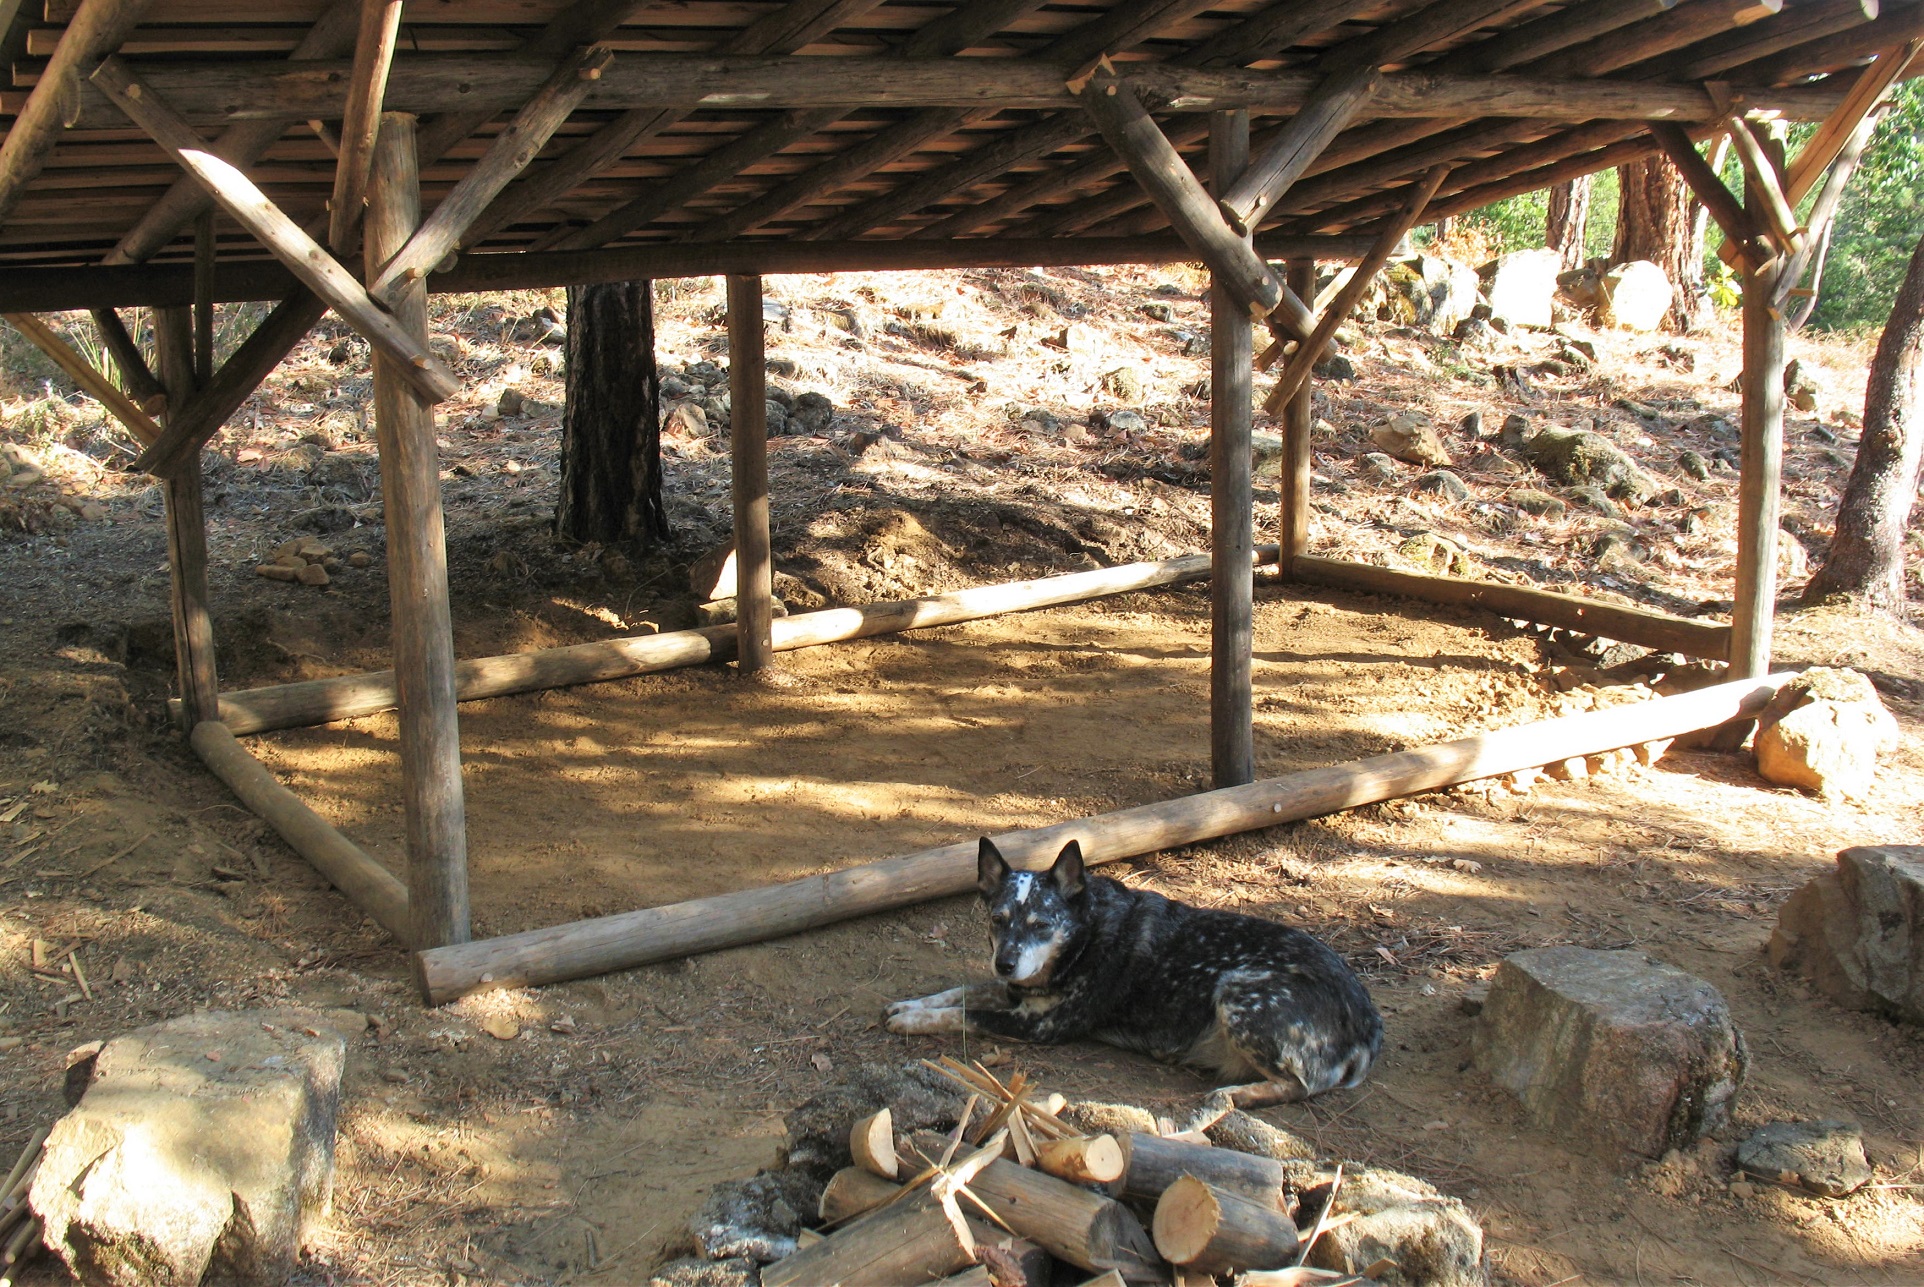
1067, 872
990, 870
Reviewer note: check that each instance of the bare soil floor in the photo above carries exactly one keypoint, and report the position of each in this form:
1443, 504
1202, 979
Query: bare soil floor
565, 1134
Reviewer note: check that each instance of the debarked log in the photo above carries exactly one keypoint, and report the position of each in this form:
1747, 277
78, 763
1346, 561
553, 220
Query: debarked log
1151, 1163
1086, 1229
1213, 1231
321, 701
911, 1241
628, 939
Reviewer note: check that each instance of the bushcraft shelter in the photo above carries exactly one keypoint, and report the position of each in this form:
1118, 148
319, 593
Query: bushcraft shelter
354, 155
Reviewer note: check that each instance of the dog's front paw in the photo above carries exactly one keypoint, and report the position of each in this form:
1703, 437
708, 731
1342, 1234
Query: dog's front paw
911, 1019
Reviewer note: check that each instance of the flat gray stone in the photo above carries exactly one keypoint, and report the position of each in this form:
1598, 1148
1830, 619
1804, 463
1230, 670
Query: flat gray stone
1827, 1158
202, 1148
1858, 932
1611, 1049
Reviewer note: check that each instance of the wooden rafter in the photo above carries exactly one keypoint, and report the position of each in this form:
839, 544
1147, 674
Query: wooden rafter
1289, 155
1724, 208
1310, 352
366, 90
86, 375
251, 208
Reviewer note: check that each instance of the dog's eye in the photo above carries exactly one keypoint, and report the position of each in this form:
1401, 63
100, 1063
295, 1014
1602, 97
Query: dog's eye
999, 919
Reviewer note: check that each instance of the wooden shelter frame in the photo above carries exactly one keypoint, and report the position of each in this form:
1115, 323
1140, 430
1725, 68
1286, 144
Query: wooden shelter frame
992, 133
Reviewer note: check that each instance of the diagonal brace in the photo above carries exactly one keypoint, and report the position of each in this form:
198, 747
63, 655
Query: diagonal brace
1310, 352
1295, 148
511, 152
1718, 200
1120, 116
319, 271
86, 375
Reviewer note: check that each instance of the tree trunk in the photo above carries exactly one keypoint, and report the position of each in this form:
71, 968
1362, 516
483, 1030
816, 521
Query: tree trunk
1866, 556
1656, 218
611, 426
1569, 220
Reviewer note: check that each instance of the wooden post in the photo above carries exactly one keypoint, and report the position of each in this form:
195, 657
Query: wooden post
1232, 522
437, 844
1760, 472
187, 533
748, 438
373, 55
1293, 480
205, 254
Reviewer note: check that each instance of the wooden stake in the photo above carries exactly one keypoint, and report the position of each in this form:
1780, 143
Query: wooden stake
1215, 1231
748, 446
1292, 483
1151, 1163
627, 939
417, 574
364, 882
1232, 519
250, 207
367, 85
872, 1143
1082, 1159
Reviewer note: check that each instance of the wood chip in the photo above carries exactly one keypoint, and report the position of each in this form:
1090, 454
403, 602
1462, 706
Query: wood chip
502, 1027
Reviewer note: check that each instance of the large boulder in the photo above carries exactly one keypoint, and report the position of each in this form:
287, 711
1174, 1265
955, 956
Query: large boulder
1858, 932
1522, 285
1575, 457
1823, 732
1430, 1239
1636, 296
202, 1148
1443, 291
1611, 1049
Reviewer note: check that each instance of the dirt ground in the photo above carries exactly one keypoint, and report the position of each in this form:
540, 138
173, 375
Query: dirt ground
564, 1134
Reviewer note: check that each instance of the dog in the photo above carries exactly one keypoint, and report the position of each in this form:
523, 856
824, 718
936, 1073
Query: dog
1268, 1008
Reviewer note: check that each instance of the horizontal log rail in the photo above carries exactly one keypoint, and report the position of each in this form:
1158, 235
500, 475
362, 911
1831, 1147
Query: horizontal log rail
628, 939
48, 290
368, 885
321, 701
1523, 603
243, 90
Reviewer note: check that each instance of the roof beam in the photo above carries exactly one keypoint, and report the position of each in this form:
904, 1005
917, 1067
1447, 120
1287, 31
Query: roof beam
248, 206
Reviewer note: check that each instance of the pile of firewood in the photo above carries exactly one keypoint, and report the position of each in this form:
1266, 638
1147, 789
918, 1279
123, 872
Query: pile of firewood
1014, 1187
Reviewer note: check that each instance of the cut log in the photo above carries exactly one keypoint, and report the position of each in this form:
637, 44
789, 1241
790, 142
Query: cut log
367, 884
361, 119
1215, 1231
850, 1192
1151, 1163
1086, 1229
322, 701
911, 1241
590, 947
871, 1141
1082, 1159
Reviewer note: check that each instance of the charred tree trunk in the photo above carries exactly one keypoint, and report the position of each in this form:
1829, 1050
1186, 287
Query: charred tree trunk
1569, 220
1866, 556
611, 427
1656, 220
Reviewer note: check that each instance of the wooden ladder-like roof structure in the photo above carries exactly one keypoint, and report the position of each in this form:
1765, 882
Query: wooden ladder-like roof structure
705, 131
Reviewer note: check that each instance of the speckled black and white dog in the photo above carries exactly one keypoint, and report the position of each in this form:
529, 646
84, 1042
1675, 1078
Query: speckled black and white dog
1265, 1006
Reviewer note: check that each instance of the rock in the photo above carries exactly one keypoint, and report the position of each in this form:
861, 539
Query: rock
1471, 425
1157, 311
673, 386
1430, 1239
1826, 1158
712, 576
1858, 932
1522, 284
1515, 432
510, 403
736, 1271
360, 559
812, 414
1074, 338
1636, 296
311, 574
1334, 367
1442, 292
1693, 464
1823, 732
1475, 333
686, 420
1793, 564
1124, 383
1611, 1048
785, 367
1125, 421
1797, 380
203, 1145
775, 415
1437, 555
277, 571
1594, 498
1246, 1134
1443, 483
1408, 436
1266, 455
1380, 467
1577, 456
1542, 504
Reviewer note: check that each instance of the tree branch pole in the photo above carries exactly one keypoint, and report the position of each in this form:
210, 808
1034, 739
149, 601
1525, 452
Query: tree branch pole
1232, 518
1298, 415
622, 941
748, 445
436, 810
187, 534
361, 118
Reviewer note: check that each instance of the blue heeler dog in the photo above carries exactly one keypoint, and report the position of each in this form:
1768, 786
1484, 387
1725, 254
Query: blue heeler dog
1267, 1007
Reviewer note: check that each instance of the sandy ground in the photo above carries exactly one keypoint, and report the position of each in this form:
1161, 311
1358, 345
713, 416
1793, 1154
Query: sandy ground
573, 1149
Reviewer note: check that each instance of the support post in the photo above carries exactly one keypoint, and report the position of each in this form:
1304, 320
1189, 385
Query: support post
187, 533
1760, 472
205, 255
437, 843
748, 437
1293, 481
1232, 521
